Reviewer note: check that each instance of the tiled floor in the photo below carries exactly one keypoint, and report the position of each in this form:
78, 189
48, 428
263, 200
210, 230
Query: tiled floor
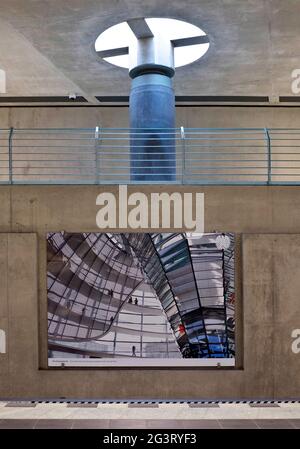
148, 424
94, 415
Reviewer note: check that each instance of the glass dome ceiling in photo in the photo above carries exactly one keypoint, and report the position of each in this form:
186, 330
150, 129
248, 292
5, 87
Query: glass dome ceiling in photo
118, 44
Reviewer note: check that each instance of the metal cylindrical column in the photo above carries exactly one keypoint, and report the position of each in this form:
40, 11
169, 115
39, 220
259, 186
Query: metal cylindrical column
152, 123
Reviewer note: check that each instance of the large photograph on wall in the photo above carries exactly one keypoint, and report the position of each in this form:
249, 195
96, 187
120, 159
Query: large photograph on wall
140, 299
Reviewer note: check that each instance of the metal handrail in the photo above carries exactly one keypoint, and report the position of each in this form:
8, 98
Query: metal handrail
204, 156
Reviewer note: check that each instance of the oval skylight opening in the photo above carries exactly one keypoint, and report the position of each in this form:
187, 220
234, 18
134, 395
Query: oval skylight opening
117, 38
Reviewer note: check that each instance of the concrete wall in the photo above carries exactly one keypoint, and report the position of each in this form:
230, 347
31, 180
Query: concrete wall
117, 117
267, 222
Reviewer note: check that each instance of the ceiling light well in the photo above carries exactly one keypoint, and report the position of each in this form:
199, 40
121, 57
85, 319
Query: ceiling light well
118, 43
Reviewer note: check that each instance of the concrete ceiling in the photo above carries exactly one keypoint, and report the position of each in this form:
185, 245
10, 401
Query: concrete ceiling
47, 47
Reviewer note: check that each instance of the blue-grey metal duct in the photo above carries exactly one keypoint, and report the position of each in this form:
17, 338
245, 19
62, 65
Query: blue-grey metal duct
152, 123
152, 105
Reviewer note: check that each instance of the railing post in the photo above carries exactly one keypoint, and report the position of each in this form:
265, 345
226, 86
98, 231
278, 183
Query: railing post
97, 164
268, 140
182, 135
10, 156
